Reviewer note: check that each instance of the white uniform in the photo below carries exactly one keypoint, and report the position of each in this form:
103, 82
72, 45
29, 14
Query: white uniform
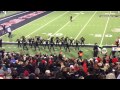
9, 29
9, 32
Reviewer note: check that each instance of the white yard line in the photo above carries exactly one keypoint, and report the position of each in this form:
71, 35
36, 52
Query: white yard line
29, 23
13, 15
65, 25
86, 25
47, 23
105, 29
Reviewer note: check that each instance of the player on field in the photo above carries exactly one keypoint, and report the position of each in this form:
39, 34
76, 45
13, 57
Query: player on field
9, 32
71, 18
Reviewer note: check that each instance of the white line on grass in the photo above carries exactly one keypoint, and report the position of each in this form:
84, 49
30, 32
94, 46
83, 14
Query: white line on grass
47, 24
13, 15
105, 29
65, 25
86, 24
28, 23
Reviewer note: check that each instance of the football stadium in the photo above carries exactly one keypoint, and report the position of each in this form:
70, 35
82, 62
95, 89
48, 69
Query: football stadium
59, 44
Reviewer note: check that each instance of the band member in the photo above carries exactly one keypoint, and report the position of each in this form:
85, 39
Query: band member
71, 41
51, 46
30, 41
19, 43
76, 46
46, 44
25, 45
57, 41
36, 45
67, 47
62, 44
82, 40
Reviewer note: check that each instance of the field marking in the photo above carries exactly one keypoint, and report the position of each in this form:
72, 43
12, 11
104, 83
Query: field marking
47, 23
86, 24
29, 23
13, 15
105, 29
65, 25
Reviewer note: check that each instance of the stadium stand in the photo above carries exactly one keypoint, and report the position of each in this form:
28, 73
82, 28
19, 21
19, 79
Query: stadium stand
42, 66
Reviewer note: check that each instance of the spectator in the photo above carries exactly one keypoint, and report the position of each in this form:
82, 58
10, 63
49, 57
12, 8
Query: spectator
115, 59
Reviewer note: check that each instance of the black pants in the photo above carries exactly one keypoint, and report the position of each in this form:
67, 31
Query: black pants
57, 43
82, 43
10, 35
25, 47
67, 48
46, 45
62, 45
95, 53
51, 47
76, 47
19, 45
0, 44
36, 47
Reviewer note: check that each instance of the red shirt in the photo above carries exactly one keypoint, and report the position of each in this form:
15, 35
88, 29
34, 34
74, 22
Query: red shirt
114, 60
98, 59
50, 62
85, 68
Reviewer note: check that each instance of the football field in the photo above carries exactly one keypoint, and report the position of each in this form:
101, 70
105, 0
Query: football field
102, 27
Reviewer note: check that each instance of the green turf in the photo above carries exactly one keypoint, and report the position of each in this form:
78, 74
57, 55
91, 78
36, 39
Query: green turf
86, 23
88, 53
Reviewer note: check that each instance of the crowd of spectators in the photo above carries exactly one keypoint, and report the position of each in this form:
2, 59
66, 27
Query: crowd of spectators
42, 66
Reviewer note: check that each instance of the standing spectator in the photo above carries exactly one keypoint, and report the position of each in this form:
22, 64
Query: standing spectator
115, 59
95, 50
80, 54
1, 71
